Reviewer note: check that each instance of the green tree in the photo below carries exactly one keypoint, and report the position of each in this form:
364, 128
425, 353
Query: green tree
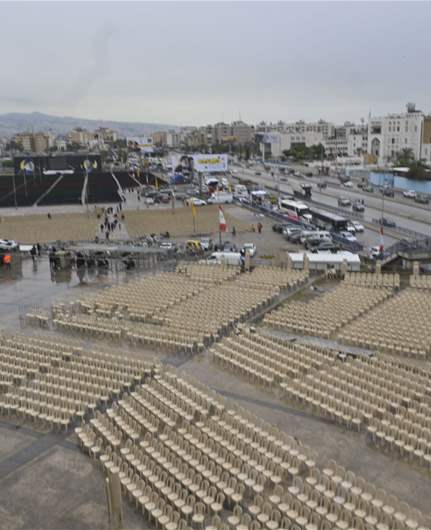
405, 157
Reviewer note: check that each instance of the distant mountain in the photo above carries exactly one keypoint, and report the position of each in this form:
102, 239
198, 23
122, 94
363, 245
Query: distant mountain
16, 122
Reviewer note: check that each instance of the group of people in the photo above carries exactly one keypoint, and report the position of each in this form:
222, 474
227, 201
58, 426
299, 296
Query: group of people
35, 252
111, 220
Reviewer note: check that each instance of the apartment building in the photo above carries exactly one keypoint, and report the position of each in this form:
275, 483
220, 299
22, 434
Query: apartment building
34, 142
389, 135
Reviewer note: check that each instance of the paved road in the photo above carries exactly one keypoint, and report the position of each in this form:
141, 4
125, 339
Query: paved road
405, 214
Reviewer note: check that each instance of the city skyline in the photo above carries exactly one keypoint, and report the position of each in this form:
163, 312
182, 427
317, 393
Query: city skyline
192, 64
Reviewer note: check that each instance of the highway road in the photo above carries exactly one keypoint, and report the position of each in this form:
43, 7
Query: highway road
404, 212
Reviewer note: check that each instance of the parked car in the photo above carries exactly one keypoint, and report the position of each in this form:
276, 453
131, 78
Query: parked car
206, 243
374, 252
347, 235
292, 234
368, 188
8, 244
358, 226
313, 242
196, 201
325, 246
251, 248
167, 245
257, 173
387, 222
421, 198
322, 185
344, 201
409, 194
278, 227
348, 184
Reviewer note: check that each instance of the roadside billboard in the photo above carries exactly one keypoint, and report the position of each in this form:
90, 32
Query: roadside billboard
142, 144
210, 163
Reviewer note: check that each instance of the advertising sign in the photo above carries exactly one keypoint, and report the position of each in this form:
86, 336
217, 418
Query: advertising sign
143, 144
210, 163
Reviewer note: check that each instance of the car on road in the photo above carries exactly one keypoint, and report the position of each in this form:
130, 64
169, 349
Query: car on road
409, 194
251, 248
358, 205
368, 188
358, 226
347, 235
196, 202
283, 179
351, 228
257, 173
322, 185
421, 198
348, 184
387, 191
344, 202
384, 221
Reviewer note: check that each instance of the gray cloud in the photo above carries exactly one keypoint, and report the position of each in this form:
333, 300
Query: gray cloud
200, 62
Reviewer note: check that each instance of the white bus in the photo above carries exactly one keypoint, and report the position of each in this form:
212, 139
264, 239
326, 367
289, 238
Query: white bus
297, 211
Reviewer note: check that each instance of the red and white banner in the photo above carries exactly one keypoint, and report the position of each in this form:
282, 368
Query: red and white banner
221, 220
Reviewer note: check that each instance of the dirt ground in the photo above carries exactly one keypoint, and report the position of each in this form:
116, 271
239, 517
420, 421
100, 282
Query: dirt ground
83, 227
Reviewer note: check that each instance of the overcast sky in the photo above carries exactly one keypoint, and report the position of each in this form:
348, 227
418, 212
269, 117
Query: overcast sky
196, 63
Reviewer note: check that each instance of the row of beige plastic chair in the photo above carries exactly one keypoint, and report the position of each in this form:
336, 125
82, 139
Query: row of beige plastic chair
372, 279
356, 391
398, 326
188, 314
420, 281
272, 277
324, 315
229, 469
202, 272
266, 360
37, 319
65, 384
405, 433
145, 296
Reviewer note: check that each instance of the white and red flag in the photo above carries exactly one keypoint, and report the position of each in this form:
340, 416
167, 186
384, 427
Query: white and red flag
221, 220
382, 241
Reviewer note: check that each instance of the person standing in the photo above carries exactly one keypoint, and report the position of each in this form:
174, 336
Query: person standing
33, 253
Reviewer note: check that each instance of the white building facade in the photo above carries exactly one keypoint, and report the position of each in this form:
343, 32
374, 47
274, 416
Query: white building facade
389, 135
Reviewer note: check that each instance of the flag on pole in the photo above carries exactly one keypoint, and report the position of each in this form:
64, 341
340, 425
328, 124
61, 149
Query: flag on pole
222, 220
382, 242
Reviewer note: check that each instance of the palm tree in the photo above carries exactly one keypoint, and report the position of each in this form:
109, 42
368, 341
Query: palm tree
405, 157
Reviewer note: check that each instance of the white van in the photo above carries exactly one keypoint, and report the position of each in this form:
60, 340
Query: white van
228, 258
240, 192
315, 235
220, 197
